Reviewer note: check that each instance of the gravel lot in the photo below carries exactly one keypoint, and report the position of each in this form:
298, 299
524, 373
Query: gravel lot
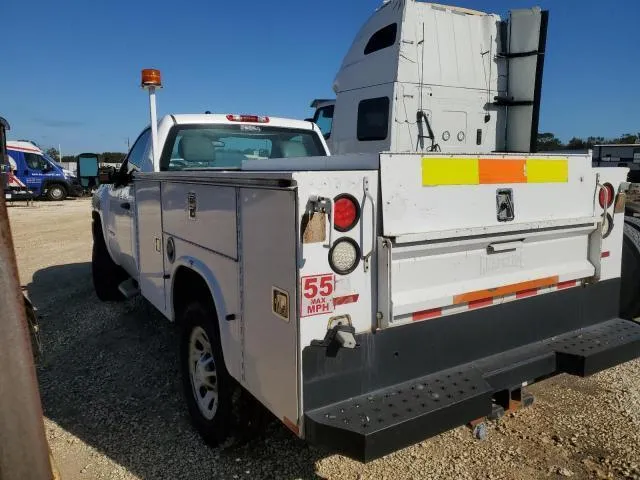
114, 409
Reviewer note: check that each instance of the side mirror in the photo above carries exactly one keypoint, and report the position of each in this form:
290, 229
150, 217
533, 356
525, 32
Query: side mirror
88, 167
107, 175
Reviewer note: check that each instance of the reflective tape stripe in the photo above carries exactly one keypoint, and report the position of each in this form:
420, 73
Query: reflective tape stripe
495, 300
449, 171
346, 299
504, 290
502, 171
427, 314
490, 171
291, 426
547, 171
484, 302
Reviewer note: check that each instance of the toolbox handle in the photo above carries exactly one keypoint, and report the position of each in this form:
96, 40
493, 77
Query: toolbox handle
504, 247
368, 196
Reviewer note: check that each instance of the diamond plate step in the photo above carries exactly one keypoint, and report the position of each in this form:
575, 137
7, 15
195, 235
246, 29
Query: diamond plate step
370, 426
593, 349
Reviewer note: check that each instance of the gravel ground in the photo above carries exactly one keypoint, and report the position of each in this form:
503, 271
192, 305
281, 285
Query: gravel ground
114, 408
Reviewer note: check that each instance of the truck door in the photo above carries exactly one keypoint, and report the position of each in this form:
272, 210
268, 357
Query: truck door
120, 218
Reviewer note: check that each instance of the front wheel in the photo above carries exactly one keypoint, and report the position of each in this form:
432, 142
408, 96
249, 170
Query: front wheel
208, 387
106, 274
56, 193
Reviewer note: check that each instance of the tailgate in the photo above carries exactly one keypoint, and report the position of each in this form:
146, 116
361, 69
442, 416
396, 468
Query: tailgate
463, 232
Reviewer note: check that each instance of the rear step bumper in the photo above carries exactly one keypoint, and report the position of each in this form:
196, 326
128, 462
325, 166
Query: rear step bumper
372, 425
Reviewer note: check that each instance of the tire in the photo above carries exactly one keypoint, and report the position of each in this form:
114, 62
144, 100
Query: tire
56, 192
630, 277
208, 388
632, 222
107, 276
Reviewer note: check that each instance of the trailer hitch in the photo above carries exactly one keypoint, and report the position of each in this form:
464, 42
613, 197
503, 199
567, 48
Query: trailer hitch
340, 336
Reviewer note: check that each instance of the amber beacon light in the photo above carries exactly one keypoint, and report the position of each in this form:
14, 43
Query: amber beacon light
151, 78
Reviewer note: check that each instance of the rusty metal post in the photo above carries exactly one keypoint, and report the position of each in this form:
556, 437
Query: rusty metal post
24, 452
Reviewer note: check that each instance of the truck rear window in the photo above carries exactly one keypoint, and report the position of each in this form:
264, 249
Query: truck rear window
228, 146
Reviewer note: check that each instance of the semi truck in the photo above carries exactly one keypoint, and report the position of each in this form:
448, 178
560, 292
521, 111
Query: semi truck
415, 277
619, 155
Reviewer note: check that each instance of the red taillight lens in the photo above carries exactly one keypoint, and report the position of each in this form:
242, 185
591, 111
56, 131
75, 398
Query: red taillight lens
346, 211
247, 118
605, 197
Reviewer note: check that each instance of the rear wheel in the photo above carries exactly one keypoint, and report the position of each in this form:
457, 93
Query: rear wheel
107, 275
630, 277
56, 192
208, 387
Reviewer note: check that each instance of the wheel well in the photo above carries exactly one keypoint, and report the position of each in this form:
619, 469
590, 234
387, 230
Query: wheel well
51, 183
187, 286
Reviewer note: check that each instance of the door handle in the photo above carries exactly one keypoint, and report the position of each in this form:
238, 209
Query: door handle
126, 206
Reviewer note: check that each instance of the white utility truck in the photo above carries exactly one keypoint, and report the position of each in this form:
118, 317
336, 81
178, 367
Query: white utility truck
372, 300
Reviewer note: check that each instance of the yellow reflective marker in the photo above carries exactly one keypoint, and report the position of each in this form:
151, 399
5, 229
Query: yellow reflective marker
450, 171
547, 171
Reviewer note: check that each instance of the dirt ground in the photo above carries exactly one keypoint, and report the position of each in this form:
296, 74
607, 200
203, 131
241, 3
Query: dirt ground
114, 410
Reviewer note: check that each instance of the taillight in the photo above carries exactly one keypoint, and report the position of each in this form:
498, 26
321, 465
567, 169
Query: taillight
606, 195
344, 256
346, 212
247, 118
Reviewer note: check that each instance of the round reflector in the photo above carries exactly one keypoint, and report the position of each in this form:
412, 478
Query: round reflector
344, 256
605, 197
346, 211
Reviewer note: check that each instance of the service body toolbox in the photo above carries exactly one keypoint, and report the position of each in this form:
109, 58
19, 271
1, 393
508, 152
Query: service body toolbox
368, 306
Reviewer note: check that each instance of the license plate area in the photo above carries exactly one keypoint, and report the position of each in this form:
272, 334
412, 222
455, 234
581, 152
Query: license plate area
419, 277
500, 261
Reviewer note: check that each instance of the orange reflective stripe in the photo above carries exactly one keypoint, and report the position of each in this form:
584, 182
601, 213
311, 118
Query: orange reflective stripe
502, 171
504, 290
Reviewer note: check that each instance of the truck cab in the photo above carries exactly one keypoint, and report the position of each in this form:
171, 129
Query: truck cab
194, 142
40, 173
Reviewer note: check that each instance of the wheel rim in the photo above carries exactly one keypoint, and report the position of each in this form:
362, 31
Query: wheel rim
56, 192
203, 373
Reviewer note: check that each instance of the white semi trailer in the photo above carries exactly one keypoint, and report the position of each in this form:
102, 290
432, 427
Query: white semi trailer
371, 300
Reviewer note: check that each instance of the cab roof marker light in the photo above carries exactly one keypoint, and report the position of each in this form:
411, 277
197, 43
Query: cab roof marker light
248, 118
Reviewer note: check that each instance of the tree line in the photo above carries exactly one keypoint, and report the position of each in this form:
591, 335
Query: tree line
104, 157
548, 142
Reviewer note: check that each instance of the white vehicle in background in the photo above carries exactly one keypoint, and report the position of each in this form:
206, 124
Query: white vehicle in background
371, 300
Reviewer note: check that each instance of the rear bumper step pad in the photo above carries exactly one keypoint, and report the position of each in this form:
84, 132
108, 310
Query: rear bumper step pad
372, 425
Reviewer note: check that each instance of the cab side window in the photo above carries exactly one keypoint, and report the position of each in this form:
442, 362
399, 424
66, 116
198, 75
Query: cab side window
136, 156
383, 38
35, 161
324, 120
373, 119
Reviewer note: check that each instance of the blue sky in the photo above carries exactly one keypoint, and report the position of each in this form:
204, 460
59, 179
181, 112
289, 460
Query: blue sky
71, 69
